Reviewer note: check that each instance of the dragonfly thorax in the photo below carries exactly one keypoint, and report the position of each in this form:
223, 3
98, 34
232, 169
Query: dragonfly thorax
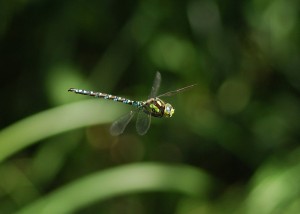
158, 108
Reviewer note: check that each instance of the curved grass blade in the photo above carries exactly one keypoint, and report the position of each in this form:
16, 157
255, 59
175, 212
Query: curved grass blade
171, 93
143, 122
119, 125
123, 180
37, 127
156, 85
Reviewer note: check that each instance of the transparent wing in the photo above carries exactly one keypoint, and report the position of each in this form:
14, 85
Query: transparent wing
143, 122
119, 125
171, 93
156, 85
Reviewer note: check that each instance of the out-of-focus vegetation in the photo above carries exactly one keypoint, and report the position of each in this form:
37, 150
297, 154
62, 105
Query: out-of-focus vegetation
231, 147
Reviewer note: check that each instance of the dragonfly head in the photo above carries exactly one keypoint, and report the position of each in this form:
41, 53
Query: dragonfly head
169, 110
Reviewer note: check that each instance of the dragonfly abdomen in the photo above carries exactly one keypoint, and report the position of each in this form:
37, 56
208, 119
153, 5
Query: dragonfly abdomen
107, 97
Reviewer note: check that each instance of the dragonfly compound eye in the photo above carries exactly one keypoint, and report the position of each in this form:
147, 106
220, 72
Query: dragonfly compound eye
169, 110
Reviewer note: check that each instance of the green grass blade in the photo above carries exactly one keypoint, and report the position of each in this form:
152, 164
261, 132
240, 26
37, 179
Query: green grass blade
54, 121
119, 181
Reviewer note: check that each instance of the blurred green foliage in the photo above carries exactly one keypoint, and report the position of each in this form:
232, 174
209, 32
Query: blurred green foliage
231, 147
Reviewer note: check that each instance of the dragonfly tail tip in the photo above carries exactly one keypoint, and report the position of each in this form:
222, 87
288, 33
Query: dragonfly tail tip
71, 89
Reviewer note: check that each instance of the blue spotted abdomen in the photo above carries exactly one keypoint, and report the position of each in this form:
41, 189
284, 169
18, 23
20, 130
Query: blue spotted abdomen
107, 96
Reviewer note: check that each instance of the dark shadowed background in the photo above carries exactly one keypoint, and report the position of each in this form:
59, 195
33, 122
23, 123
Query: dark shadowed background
232, 145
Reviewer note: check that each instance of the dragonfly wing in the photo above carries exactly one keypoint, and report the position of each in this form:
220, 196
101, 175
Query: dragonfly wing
143, 122
119, 125
156, 85
171, 93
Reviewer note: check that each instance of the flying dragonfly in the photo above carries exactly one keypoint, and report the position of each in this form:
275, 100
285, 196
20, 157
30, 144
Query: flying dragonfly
153, 106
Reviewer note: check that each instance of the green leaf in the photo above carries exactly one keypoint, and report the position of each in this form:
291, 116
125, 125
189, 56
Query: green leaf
54, 121
122, 180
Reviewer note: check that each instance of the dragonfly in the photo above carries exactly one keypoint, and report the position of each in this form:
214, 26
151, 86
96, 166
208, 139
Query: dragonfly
154, 106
